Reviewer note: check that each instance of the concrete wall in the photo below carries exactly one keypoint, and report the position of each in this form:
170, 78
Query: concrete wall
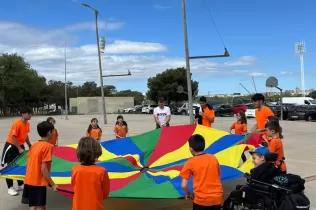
93, 105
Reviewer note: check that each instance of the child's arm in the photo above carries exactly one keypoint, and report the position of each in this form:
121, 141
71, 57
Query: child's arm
106, 185
47, 176
100, 134
47, 158
186, 174
57, 138
262, 130
184, 186
244, 128
116, 132
232, 128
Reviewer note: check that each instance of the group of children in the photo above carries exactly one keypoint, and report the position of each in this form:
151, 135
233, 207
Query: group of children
88, 174
120, 129
94, 180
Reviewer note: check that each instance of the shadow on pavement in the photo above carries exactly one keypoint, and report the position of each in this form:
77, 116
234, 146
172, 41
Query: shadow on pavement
59, 202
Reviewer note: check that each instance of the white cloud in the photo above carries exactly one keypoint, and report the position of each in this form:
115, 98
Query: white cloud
286, 73
257, 74
243, 61
44, 50
109, 25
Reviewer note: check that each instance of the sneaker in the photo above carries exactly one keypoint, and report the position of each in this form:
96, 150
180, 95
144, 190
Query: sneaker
20, 188
12, 191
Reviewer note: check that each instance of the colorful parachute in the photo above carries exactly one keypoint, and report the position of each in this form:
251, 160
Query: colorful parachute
147, 165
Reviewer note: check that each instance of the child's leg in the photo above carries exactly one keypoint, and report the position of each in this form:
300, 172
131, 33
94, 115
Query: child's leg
243, 157
37, 197
199, 207
40, 208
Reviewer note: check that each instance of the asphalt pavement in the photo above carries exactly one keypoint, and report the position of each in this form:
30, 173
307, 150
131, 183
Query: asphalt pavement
299, 143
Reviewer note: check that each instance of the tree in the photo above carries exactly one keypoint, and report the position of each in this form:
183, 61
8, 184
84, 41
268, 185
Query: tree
166, 84
312, 94
138, 96
19, 84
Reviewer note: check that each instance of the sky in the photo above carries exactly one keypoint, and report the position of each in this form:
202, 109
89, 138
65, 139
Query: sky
146, 37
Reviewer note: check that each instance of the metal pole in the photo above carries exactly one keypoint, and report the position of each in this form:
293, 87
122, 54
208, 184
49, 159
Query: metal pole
254, 84
281, 103
66, 98
187, 59
100, 67
302, 74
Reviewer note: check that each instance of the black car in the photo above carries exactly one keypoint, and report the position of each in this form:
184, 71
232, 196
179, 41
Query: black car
277, 110
223, 109
304, 112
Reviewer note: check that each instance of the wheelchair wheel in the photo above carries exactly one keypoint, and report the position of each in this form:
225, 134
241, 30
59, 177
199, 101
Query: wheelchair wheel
243, 206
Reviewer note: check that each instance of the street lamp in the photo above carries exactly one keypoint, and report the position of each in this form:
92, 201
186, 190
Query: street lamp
187, 59
96, 12
118, 75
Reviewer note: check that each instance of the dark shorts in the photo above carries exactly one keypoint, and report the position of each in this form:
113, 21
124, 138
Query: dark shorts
9, 153
34, 195
199, 207
167, 125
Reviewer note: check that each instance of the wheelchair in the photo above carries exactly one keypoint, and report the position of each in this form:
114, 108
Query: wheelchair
256, 195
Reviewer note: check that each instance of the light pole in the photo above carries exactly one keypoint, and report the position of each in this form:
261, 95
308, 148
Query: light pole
119, 75
300, 49
96, 12
66, 101
187, 59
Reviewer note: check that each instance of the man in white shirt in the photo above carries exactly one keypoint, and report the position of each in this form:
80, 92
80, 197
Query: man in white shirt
162, 114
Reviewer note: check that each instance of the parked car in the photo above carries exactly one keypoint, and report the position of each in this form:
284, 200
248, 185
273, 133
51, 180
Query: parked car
173, 109
129, 110
304, 112
277, 111
239, 107
138, 109
184, 109
251, 111
149, 109
223, 109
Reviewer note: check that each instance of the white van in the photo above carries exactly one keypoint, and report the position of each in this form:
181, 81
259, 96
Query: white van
299, 100
184, 109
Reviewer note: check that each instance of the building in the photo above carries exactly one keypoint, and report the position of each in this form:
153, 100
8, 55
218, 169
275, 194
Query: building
93, 105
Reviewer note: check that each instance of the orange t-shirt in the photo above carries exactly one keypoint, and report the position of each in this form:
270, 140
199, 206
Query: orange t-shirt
54, 137
207, 186
262, 116
20, 130
95, 133
91, 186
239, 128
121, 130
40, 152
276, 145
210, 113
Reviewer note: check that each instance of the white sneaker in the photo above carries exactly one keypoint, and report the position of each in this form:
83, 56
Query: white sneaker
12, 191
20, 188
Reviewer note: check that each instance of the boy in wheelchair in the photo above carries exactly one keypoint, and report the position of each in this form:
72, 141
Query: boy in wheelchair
263, 188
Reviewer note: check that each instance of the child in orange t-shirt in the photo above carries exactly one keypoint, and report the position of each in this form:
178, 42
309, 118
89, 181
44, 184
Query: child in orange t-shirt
90, 182
205, 169
120, 128
264, 131
94, 131
275, 143
240, 126
54, 137
37, 176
